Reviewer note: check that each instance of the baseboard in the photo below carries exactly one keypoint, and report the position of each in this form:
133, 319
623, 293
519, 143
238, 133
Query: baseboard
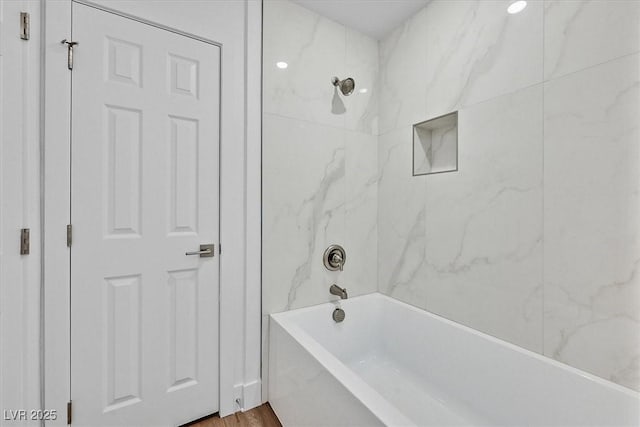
252, 395
247, 396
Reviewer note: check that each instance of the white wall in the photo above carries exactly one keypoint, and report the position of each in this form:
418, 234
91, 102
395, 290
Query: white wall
535, 239
19, 208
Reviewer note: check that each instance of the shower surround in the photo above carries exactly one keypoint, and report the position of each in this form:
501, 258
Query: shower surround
534, 240
319, 166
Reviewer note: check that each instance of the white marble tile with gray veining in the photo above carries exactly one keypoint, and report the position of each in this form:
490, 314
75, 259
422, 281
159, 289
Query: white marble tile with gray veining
401, 215
476, 51
360, 274
313, 47
362, 65
304, 184
580, 33
403, 64
592, 206
534, 239
483, 225
307, 127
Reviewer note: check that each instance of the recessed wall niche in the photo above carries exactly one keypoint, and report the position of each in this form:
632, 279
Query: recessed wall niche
435, 145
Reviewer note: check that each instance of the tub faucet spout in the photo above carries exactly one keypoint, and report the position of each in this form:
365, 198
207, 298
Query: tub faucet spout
337, 290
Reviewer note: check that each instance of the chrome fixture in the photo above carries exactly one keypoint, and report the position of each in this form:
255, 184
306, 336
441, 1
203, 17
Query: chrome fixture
334, 258
70, 46
338, 315
206, 251
24, 241
346, 86
25, 25
337, 290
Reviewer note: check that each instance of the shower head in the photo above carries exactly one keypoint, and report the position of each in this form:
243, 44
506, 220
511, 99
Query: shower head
346, 86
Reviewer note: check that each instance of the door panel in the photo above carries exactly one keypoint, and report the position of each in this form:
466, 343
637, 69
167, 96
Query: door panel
144, 190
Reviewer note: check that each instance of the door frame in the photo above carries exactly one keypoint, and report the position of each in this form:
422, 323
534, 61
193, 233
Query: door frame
240, 317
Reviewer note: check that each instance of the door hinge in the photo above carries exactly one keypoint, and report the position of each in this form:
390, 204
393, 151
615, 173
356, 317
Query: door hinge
70, 46
24, 241
219, 249
69, 411
69, 235
25, 25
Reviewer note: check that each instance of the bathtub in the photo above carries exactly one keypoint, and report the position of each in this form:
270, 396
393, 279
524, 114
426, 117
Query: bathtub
391, 364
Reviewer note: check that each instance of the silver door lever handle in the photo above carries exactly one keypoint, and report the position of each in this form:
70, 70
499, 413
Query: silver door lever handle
206, 251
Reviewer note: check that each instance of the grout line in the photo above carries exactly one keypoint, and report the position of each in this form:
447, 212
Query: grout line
266, 113
562, 76
513, 92
459, 108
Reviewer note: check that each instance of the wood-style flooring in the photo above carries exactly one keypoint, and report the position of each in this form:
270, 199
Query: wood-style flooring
262, 416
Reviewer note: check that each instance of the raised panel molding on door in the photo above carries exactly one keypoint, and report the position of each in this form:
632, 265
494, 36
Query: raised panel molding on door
124, 61
144, 191
124, 174
122, 326
183, 329
183, 155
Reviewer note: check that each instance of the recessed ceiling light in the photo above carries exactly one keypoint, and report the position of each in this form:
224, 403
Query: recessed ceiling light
282, 65
363, 90
517, 7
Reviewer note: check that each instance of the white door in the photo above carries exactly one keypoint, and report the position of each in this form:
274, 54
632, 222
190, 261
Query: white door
144, 191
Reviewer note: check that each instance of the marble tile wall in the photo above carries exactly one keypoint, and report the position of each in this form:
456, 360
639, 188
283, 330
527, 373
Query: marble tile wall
592, 182
319, 157
535, 239
592, 218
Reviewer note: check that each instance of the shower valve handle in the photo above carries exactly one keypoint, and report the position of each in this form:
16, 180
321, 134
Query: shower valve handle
334, 258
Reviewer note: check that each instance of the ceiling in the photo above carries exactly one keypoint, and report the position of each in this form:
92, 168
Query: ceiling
375, 18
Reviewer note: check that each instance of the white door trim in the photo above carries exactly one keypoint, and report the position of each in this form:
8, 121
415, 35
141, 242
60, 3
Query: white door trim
56, 182
238, 322
20, 283
252, 393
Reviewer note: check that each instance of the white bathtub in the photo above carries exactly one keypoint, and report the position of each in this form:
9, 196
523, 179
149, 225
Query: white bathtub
391, 364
